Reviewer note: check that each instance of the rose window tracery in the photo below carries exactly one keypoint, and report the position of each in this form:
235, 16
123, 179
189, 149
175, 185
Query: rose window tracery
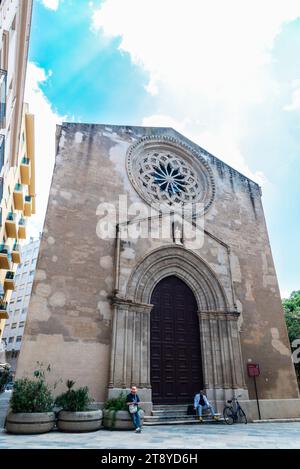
165, 172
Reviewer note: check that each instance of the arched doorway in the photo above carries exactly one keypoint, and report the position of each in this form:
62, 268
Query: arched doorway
175, 353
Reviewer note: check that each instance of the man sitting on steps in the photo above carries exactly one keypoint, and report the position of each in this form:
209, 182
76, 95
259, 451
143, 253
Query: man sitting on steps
201, 403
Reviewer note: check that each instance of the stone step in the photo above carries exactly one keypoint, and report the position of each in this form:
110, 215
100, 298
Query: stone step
180, 421
169, 412
169, 416
287, 420
171, 406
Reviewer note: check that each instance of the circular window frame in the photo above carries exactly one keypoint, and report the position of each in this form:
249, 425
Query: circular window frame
179, 149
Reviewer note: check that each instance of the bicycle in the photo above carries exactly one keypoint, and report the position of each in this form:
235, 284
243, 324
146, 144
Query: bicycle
233, 413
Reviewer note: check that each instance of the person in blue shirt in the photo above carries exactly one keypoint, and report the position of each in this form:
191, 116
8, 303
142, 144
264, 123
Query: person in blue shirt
132, 401
201, 403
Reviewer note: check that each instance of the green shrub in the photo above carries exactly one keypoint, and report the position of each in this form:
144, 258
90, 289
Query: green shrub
32, 395
74, 400
116, 403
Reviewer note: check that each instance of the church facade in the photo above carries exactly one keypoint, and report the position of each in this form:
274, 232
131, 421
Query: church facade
155, 269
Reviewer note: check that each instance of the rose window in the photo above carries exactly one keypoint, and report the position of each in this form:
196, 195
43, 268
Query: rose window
169, 179
167, 172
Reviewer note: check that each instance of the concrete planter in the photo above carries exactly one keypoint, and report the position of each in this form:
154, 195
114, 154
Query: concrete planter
119, 420
30, 423
78, 422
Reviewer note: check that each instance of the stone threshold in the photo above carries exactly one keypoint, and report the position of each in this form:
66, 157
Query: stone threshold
288, 420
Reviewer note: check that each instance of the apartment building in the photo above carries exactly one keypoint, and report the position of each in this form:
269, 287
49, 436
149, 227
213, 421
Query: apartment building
18, 306
17, 174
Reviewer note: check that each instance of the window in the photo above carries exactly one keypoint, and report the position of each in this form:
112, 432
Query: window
31, 273
21, 323
14, 325
19, 338
10, 340
24, 310
19, 300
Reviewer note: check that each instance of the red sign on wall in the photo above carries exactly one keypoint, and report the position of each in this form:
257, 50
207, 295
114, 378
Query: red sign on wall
253, 369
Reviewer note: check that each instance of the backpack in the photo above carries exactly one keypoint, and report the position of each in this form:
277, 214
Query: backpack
190, 410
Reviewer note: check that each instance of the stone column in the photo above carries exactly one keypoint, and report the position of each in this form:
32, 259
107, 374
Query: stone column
130, 350
221, 354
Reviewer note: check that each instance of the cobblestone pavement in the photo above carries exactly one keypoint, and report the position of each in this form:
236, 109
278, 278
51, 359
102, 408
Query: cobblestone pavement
260, 435
212, 436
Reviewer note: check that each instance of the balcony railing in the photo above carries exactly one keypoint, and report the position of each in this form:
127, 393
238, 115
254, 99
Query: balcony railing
3, 80
22, 228
18, 196
11, 225
25, 170
9, 283
16, 255
3, 305
3, 309
28, 206
5, 257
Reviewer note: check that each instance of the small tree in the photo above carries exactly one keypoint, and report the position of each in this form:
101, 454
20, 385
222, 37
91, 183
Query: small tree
291, 308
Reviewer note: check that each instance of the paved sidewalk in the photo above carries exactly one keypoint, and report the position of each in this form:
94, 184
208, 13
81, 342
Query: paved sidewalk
263, 435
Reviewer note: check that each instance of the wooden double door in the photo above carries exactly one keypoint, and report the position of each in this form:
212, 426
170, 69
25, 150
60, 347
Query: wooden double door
175, 352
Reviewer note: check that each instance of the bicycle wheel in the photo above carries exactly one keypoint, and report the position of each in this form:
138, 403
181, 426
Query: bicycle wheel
228, 415
242, 416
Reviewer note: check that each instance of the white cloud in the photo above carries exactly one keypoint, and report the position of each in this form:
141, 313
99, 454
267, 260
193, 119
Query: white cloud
295, 101
45, 119
51, 4
207, 62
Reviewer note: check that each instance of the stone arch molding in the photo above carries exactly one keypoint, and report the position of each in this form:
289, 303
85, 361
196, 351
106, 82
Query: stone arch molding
188, 266
218, 326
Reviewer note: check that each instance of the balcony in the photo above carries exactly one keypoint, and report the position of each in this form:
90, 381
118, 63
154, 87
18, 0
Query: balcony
16, 255
28, 206
3, 80
11, 225
9, 283
22, 228
19, 197
5, 257
25, 171
3, 309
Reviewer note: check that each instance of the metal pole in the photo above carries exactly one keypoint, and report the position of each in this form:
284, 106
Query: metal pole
258, 408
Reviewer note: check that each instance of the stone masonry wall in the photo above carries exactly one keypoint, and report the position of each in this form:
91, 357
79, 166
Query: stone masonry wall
70, 315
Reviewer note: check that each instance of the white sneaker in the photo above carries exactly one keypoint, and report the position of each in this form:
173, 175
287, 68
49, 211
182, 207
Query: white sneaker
138, 430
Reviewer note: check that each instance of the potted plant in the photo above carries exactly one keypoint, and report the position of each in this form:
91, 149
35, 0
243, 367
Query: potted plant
31, 405
76, 414
116, 415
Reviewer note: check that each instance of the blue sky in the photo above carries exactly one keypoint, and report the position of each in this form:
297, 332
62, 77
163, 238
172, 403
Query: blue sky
223, 75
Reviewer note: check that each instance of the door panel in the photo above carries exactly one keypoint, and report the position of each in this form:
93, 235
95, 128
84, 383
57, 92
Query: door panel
176, 365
